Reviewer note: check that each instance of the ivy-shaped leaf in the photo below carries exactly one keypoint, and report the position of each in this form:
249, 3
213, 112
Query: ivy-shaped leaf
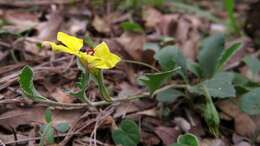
154, 80
26, 84
127, 134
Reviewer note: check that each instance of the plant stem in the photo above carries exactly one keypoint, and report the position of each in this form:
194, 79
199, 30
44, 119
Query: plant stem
141, 63
114, 100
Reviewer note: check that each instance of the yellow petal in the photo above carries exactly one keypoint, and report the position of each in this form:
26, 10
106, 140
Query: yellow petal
70, 41
102, 50
109, 60
61, 48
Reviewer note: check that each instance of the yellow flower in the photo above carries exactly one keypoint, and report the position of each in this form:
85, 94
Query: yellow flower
100, 57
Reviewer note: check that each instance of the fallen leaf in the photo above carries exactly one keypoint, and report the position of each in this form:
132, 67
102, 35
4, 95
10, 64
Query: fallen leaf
168, 135
24, 116
133, 44
212, 142
244, 125
61, 97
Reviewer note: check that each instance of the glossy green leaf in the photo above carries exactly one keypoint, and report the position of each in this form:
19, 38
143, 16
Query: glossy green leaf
219, 86
210, 52
227, 54
26, 84
153, 81
62, 127
127, 134
169, 95
131, 26
250, 102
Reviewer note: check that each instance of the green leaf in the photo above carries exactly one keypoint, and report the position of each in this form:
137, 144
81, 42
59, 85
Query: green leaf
210, 113
219, 86
187, 140
127, 134
131, 26
194, 68
62, 127
250, 102
169, 95
47, 136
152, 46
154, 80
26, 84
229, 6
170, 56
253, 64
48, 115
210, 52
227, 54
82, 85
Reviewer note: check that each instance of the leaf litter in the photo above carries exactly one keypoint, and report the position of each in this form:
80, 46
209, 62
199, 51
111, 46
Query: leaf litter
159, 123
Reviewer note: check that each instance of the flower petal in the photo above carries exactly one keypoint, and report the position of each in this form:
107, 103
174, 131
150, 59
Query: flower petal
109, 60
70, 41
61, 48
102, 50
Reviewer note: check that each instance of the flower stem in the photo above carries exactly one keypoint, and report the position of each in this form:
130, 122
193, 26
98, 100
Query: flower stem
102, 88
